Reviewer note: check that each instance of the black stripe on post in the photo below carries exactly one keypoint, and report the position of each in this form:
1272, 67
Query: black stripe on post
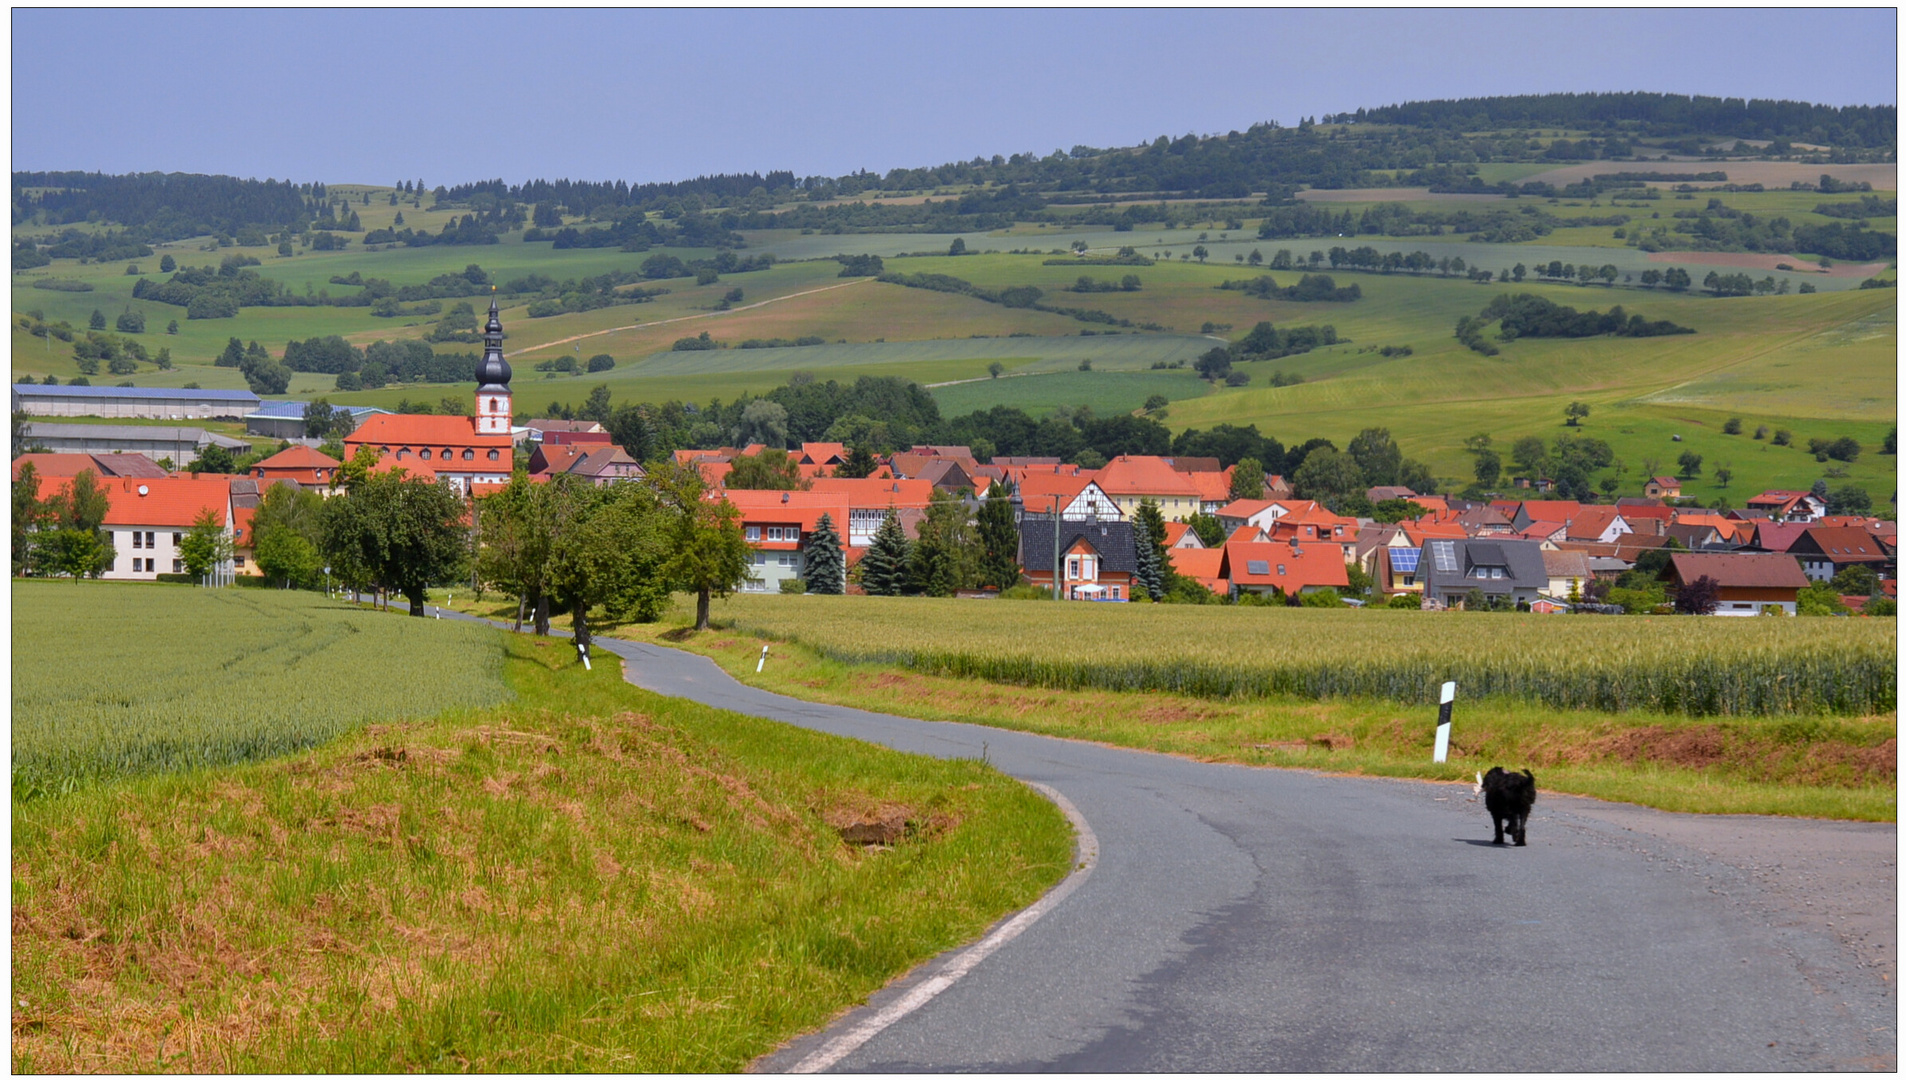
1442, 713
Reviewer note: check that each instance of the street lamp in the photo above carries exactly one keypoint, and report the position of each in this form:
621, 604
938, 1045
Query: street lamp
327, 582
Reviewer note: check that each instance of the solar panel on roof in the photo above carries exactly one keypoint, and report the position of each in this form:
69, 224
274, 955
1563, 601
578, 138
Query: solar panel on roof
1445, 552
1404, 560
1257, 566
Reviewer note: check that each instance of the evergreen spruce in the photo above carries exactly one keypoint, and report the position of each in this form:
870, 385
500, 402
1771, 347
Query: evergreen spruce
1147, 560
883, 571
1154, 521
826, 571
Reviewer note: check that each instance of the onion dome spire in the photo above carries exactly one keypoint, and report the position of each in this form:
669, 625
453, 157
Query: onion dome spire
494, 372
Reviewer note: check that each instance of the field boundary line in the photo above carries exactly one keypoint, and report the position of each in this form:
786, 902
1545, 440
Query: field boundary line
1085, 858
986, 378
682, 318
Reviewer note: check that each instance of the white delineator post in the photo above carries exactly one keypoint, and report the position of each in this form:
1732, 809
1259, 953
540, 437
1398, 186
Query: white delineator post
763, 662
1448, 701
583, 650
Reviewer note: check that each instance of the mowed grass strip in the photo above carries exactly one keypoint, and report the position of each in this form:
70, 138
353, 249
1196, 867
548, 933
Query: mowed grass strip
1690, 666
1827, 767
592, 878
113, 680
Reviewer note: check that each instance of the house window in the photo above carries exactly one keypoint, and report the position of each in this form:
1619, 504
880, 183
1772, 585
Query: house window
403, 452
1280, 568
424, 454
761, 558
753, 532
178, 566
239, 562
1115, 592
1072, 569
492, 455
788, 558
138, 541
469, 455
177, 538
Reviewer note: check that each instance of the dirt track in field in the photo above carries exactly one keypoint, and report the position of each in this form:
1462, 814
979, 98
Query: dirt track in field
1751, 261
1774, 174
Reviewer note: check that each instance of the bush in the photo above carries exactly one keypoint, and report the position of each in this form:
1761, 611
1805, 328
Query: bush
601, 362
695, 344
793, 586
1026, 592
1406, 602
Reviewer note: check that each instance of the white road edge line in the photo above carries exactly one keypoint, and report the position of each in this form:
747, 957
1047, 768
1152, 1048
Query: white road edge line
1087, 858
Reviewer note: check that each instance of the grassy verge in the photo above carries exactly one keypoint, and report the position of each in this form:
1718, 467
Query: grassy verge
591, 878
1839, 767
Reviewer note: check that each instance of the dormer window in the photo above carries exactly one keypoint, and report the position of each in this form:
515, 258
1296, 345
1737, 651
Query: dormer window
424, 454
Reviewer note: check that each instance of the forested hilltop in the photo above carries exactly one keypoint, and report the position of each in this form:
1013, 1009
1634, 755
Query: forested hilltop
1437, 143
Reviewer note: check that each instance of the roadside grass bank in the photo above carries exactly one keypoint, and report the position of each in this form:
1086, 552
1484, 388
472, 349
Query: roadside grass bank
1801, 766
589, 878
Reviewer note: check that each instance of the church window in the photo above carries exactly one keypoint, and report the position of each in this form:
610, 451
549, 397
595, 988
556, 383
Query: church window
469, 455
492, 455
424, 453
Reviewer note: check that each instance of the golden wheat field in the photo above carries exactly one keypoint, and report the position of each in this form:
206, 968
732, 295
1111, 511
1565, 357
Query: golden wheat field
1694, 666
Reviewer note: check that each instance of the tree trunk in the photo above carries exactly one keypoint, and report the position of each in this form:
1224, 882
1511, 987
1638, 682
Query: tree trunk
519, 614
542, 616
701, 610
579, 623
416, 602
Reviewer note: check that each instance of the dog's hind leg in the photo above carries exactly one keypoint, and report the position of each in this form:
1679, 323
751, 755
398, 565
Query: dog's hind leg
1522, 830
1500, 822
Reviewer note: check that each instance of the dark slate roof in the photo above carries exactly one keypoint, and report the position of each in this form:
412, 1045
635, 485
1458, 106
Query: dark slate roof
1111, 539
1520, 559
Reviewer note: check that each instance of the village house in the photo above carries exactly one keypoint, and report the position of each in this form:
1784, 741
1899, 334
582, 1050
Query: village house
1824, 552
1568, 574
778, 525
868, 501
147, 519
1201, 564
1747, 583
595, 464
1662, 487
1283, 568
1510, 570
300, 463
1095, 560
1130, 479
1789, 506
1079, 498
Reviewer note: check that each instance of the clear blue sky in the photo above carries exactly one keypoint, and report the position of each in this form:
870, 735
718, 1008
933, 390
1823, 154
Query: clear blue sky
448, 95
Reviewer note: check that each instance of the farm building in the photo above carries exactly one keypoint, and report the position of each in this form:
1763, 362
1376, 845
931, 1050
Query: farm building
132, 402
285, 419
1749, 584
180, 444
104, 466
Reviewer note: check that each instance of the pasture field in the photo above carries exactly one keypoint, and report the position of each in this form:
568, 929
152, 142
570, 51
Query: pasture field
258, 674
591, 878
1104, 392
1700, 667
1802, 765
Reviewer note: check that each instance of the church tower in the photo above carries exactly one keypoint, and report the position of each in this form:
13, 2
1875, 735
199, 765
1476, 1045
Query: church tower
493, 380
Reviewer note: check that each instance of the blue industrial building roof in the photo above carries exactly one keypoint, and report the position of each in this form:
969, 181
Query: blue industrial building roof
294, 410
133, 392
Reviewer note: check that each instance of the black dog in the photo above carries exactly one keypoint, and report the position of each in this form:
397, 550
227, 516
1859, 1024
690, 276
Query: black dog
1509, 797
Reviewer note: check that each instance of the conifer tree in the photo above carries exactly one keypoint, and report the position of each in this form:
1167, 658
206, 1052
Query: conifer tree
1147, 560
826, 569
883, 571
1154, 522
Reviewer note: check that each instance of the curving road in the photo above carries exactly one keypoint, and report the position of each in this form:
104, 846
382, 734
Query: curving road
1241, 919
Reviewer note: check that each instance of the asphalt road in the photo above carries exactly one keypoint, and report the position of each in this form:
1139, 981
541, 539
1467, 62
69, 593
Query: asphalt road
1242, 919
